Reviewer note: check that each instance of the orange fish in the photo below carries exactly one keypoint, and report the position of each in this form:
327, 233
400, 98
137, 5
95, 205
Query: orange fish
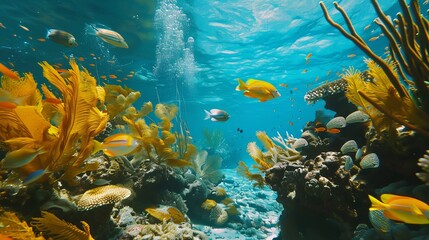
112, 76
319, 129
373, 38
284, 85
7, 72
307, 58
401, 208
41, 39
351, 55
92, 64
103, 77
304, 71
8, 105
92, 54
333, 130
1, 25
81, 59
130, 75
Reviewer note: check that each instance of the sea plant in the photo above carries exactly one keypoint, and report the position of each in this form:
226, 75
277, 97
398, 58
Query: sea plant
158, 141
63, 127
408, 71
280, 152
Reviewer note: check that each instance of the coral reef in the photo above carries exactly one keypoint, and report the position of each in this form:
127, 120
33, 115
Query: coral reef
325, 90
166, 230
317, 189
408, 53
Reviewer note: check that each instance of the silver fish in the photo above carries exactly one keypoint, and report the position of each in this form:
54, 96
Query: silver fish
216, 115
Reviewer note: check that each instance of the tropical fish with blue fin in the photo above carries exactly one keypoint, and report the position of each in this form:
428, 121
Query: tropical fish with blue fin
116, 145
401, 208
20, 157
216, 115
258, 89
34, 176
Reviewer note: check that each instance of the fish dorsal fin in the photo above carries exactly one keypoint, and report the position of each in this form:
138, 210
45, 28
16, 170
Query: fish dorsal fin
387, 198
415, 210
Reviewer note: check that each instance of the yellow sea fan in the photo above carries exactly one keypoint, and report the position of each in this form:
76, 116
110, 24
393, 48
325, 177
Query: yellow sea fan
258, 156
265, 140
243, 170
12, 226
146, 109
51, 225
168, 111
25, 87
168, 137
208, 204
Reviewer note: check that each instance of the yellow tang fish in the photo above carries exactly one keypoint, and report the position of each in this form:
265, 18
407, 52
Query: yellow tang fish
401, 208
20, 157
116, 145
258, 89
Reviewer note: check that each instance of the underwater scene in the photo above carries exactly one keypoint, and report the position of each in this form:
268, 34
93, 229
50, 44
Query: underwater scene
197, 119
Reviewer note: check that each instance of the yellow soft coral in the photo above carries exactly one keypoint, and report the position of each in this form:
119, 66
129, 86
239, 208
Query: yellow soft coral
68, 141
12, 226
56, 228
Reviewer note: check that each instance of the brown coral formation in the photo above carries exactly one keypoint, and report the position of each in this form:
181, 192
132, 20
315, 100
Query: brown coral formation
318, 189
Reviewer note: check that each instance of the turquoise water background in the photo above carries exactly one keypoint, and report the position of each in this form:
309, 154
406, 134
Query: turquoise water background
192, 52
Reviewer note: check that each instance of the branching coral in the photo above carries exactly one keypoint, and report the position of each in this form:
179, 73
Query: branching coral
409, 48
52, 226
68, 142
265, 160
158, 142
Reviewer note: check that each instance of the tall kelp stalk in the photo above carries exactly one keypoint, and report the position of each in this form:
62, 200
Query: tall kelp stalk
409, 50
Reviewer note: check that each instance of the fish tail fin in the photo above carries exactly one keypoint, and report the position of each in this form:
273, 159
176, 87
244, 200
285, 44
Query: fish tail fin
376, 204
90, 29
208, 115
98, 146
241, 85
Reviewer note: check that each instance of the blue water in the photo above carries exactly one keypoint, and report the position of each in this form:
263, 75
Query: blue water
191, 52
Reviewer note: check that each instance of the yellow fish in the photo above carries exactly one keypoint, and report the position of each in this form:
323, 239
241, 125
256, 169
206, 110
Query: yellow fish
258, 89
20, 157
401, 208
116, 145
